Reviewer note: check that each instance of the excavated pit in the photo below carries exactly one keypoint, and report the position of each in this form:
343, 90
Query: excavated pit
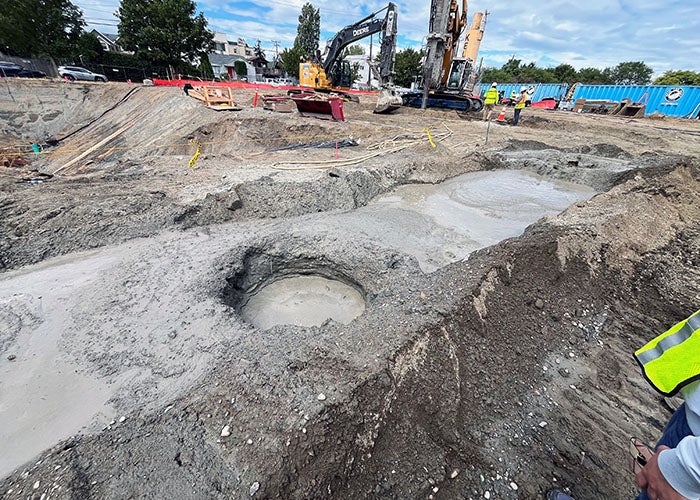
470, 370
271, 290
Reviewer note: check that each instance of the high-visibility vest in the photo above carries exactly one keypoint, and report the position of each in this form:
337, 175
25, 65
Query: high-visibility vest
521, 102
672, 360
491, 96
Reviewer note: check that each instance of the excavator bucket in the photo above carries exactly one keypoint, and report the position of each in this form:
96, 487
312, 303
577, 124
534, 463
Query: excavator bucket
387, 101
327, 108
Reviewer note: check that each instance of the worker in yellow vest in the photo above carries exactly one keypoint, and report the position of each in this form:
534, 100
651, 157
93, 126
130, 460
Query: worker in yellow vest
519, 105
671, 363
490, 100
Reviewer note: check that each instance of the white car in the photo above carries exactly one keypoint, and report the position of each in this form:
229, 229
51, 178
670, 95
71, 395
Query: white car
77, 73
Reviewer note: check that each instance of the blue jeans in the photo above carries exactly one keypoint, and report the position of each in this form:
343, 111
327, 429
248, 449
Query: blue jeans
676, 429
516, 116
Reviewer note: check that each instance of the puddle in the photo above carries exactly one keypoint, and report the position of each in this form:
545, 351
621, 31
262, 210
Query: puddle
303, 301
444, 223
43, 395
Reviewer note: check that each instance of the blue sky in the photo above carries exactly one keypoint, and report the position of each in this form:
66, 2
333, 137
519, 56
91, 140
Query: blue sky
595, 33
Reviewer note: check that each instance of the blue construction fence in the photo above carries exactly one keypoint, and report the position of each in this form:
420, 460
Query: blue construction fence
681, 101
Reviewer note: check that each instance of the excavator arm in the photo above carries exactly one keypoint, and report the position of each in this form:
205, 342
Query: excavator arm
330, 72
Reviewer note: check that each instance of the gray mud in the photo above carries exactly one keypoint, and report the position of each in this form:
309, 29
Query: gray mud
477, 366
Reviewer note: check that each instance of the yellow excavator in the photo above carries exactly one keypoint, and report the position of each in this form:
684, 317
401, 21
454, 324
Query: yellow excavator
330, 73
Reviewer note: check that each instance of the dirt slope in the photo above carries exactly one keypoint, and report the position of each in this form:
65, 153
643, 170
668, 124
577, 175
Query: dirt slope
505, 373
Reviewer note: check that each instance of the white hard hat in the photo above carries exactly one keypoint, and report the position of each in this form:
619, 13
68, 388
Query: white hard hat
494, 84
523, 89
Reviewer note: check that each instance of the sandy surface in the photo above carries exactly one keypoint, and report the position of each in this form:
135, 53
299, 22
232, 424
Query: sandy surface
492, 352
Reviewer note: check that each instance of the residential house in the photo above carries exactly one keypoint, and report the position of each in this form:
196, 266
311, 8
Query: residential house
108, 41
361, 62
240, 48
223, 66
220, 44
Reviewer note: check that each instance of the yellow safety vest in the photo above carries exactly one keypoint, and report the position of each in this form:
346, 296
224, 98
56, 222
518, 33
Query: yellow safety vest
521, 102
672, 360
491, 96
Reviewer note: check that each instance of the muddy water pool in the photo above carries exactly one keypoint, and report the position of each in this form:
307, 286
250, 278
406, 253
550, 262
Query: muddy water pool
443, 223
436, 224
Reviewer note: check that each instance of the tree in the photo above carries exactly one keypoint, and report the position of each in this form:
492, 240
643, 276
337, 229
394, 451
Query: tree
290, 59
240, 68
678, 78
259, 52
565, 73
164, 31
40, 27
88, 48
308, 31
594, 76
632, 73
408, 66
353, 50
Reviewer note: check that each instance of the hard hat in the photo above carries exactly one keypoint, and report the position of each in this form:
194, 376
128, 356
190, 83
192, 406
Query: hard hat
494, 84
523, 89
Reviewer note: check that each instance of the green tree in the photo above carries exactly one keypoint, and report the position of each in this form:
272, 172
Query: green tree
531, 73
632, 73
408, 66
205, 67
164, 31
354, 50
290, 59
88, 48
240, 68
308, 31
496, 75
594, 76
678, 78
40, 27
565, 73
259, 52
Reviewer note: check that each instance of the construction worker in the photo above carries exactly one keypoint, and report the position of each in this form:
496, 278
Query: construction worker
519, 105
671, 363
512, 98
490, 100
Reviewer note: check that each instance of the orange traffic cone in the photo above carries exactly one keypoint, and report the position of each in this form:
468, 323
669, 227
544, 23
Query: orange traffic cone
502, 117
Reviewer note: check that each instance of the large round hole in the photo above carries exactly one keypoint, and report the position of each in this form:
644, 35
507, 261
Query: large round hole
304, 301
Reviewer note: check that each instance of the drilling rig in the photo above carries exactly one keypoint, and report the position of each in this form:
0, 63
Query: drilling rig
449, 79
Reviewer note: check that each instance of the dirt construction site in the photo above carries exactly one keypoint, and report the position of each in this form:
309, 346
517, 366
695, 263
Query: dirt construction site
235, 304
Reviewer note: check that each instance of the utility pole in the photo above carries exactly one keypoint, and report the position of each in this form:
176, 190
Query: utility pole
369, 74
276, 43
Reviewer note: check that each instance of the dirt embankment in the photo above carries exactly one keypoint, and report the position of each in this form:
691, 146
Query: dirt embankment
506, 373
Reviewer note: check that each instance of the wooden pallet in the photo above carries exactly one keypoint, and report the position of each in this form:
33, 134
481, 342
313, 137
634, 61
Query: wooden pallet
216, 98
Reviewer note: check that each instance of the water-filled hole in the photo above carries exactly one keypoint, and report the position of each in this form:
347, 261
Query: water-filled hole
304, 301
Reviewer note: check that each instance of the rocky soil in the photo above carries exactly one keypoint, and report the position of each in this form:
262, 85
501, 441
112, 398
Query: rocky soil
497, 376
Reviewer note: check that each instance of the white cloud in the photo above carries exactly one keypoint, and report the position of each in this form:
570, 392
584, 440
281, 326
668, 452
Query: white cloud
596, 33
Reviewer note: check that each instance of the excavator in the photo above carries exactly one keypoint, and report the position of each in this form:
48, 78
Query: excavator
330, 73
448, 79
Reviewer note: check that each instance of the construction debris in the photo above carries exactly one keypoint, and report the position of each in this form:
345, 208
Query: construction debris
319, 106
216, 98
279, 104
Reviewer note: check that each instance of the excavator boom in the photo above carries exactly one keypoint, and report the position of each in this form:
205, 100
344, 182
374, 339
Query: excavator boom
332, 73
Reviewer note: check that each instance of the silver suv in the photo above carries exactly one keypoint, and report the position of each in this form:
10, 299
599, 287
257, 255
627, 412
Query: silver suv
77, 73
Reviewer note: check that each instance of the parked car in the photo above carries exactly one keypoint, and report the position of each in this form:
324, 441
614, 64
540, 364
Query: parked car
12, 69
77, 73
